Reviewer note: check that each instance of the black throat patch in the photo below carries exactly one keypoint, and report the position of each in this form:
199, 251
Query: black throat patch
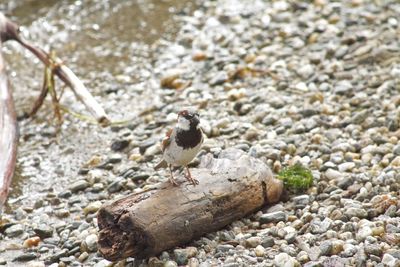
188, 139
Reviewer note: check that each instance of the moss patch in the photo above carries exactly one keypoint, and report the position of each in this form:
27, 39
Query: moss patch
296, 177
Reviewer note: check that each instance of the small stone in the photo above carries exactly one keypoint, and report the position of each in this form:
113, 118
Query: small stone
219, 78
284, 260
14, 230
83, 256
91, 242
273, 217
396, 150
253, 241
43, 231
181, 256
193, 262
170, 264
389, 260
114, 158
301, 86
301, 201
119, 145
62, 213
326, 248
372, 249
224, 247
332, 174
92, 207
356, 212
3, 261
59, 254
259, 251
104, 263
25, 257
346, 166
305, 71
363, 233
343, 87
79, 186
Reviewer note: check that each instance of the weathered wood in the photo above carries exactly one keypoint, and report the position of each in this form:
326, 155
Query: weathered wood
8, 132
145, 224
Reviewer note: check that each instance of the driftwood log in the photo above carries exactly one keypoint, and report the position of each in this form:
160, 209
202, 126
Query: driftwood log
145, 224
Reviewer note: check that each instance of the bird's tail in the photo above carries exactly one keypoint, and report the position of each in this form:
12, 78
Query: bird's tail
161, 164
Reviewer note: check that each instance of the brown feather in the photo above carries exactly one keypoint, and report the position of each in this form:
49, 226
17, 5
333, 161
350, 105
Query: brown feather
166, 141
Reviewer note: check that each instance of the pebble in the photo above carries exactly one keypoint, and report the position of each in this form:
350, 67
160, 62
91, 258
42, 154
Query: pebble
103, 263
43, 231
26, 257
389, 260
79, 186
273, 217
284, 260
253, 241
91, 242
259, 251
92, 207
14, 230
182, 255
170, 264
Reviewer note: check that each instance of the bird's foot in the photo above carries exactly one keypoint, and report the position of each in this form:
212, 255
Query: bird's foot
173, 181
189, 177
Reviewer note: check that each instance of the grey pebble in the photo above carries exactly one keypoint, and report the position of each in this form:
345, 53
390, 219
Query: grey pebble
79, 186
43, 231
14, 230
273, 217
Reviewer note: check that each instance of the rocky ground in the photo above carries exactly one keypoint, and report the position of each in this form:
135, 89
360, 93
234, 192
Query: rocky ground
315, 82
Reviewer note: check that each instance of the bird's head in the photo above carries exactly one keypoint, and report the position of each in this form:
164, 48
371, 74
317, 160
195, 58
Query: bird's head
188, 119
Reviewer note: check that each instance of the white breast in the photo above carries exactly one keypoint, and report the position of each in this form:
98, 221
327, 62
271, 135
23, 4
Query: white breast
177, 156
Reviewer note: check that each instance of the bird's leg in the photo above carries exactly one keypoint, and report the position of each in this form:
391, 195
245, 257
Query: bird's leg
189, 177
171, 178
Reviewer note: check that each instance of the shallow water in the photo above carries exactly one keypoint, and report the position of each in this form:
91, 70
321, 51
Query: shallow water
109, 45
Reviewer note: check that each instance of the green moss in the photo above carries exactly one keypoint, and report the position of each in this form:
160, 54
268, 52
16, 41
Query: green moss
296, 177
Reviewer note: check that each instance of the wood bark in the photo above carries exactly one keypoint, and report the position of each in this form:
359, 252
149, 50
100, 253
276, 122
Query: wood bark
145, 224
8, 133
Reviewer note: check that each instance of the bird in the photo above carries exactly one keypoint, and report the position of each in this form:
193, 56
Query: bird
181, 144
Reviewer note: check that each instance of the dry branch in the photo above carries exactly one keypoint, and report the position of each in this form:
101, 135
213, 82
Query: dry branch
145, 224
63, 72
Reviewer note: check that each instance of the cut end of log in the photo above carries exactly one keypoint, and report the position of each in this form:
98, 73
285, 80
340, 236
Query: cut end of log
145, 224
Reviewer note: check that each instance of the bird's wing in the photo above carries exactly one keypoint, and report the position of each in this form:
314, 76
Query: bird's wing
166, 141
164, 144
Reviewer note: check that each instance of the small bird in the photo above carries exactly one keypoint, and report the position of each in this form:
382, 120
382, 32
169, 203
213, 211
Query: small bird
181, 144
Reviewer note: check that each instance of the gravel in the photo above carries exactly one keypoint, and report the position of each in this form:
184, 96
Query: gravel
311, 82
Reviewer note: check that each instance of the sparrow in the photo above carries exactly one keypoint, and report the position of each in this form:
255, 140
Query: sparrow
181, 144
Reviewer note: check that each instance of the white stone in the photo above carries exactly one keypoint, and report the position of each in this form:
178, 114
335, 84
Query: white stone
284, 260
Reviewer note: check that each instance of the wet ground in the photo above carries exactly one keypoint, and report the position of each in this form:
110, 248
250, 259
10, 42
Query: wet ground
108, 44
